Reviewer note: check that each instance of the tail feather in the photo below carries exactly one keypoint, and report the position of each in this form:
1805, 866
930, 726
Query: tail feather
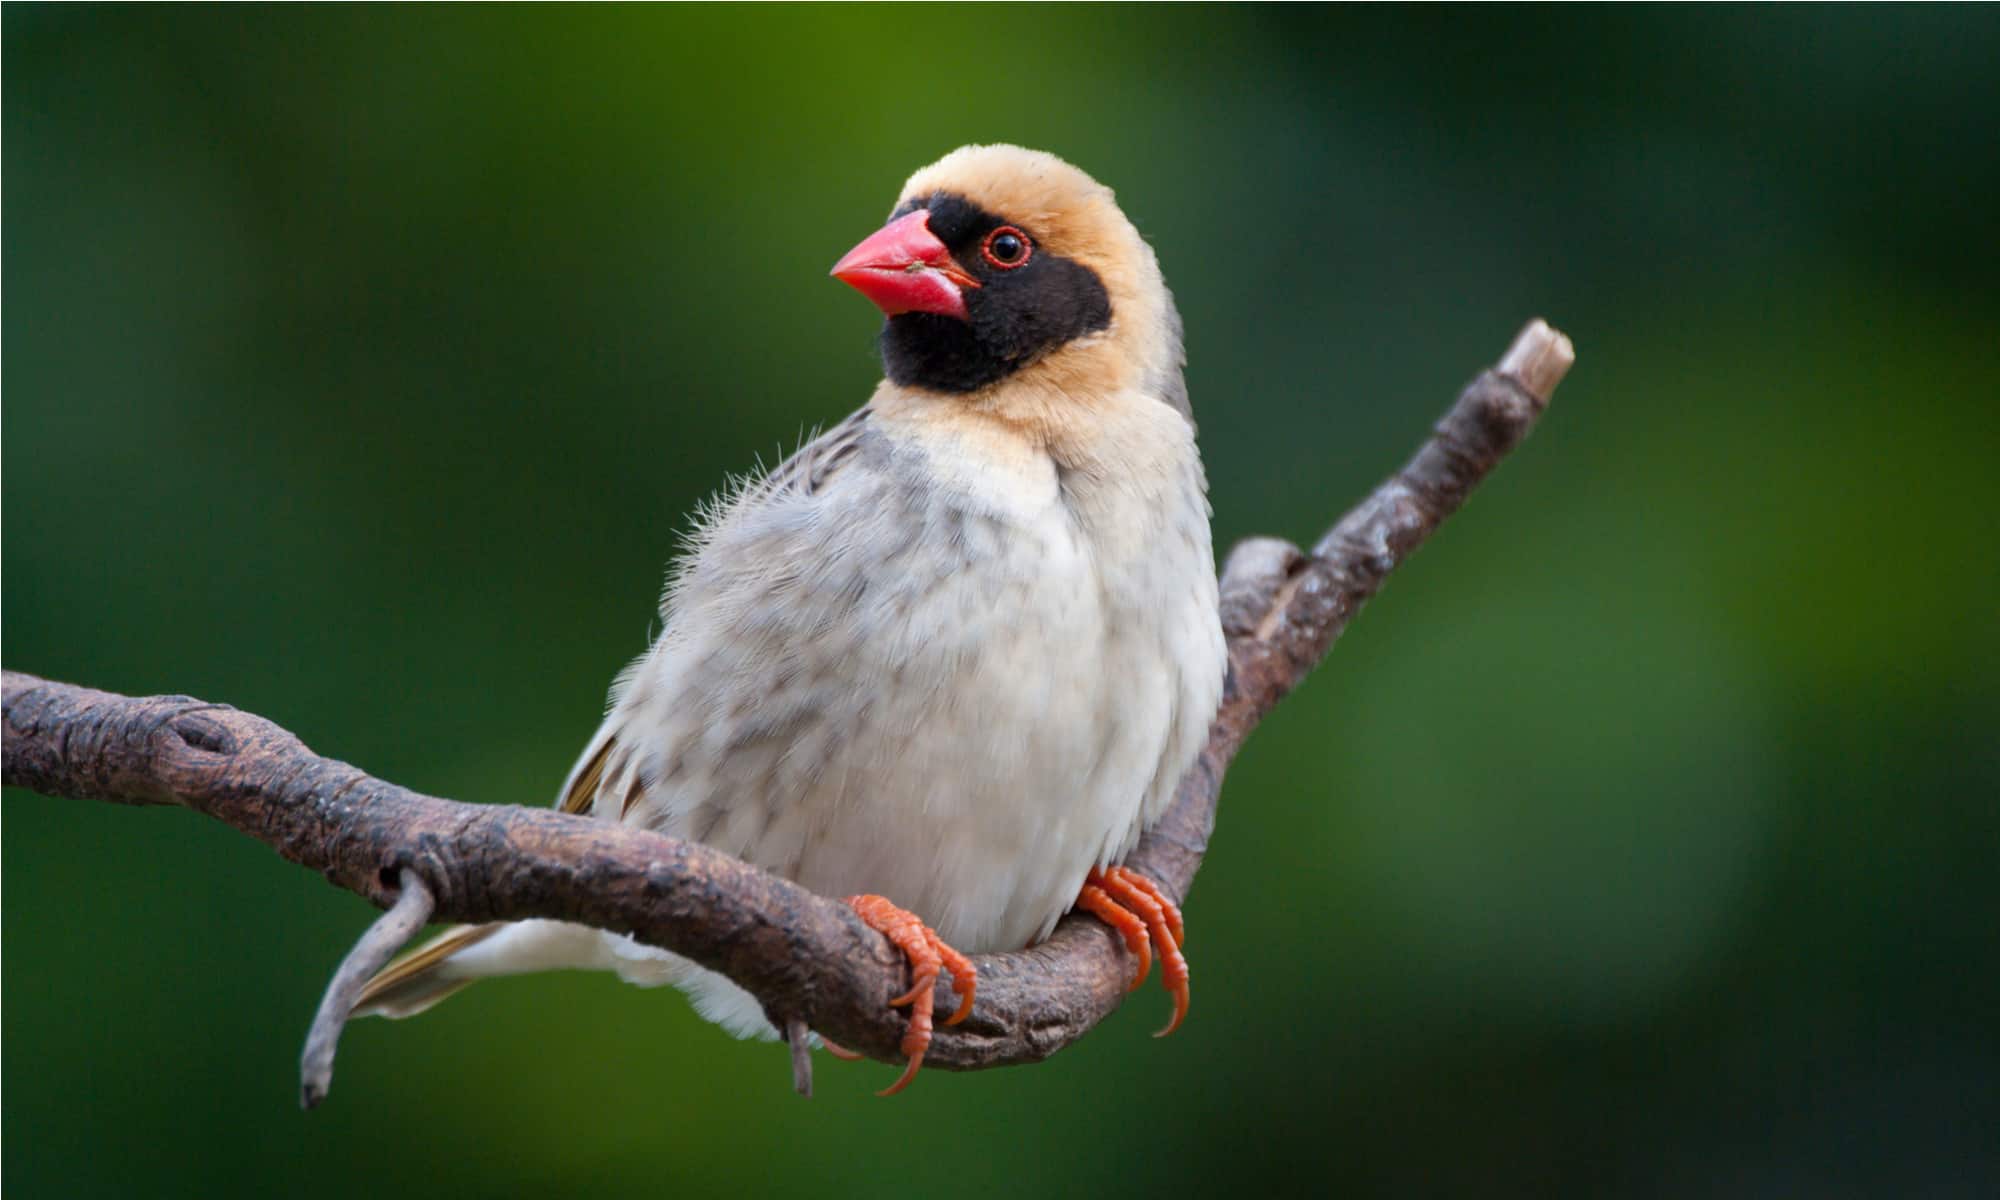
468, 953
421, 978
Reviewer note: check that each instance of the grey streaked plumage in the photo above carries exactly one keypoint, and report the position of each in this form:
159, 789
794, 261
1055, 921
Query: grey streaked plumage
957, 651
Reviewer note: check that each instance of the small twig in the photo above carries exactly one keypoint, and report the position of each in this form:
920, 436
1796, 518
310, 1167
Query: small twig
802, 1063
374, 948
801, 955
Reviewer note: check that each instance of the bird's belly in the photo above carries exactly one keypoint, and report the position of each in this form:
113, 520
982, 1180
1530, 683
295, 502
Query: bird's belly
982, 802
966, 735
970, 761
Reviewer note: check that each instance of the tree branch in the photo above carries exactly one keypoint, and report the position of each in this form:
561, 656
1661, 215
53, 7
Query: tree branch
807, 958
370, 954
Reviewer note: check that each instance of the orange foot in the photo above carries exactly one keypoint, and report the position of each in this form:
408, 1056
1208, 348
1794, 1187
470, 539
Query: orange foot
927, 953
1136, 907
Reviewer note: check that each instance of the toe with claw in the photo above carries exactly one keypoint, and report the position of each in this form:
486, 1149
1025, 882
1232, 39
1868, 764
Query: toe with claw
1141, 913
928, 954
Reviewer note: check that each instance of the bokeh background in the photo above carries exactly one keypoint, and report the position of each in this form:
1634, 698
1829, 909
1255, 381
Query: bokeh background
362, 363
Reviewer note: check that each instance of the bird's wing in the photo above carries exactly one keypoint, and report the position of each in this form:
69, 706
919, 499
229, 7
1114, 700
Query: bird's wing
603, 765
580, 790
606, 781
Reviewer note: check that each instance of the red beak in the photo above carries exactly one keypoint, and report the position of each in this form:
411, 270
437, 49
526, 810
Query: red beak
903, 267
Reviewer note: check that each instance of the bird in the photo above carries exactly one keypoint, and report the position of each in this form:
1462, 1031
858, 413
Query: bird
950, 659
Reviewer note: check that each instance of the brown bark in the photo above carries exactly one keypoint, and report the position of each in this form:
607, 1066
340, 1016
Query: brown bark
808, 958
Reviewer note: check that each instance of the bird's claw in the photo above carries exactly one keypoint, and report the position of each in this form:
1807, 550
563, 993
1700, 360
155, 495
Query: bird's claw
1139, 911
928, 954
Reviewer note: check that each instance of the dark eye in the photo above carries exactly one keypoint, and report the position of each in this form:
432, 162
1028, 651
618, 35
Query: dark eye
1006, 247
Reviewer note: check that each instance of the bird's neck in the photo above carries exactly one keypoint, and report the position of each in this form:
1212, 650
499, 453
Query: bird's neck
1096, 455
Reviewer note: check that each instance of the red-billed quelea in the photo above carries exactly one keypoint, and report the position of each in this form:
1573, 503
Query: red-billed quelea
950, 659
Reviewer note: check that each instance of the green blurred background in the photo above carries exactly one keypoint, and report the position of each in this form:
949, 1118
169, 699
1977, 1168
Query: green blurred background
361, 364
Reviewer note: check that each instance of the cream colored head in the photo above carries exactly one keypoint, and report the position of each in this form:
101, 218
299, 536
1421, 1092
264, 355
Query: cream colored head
1069, 218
